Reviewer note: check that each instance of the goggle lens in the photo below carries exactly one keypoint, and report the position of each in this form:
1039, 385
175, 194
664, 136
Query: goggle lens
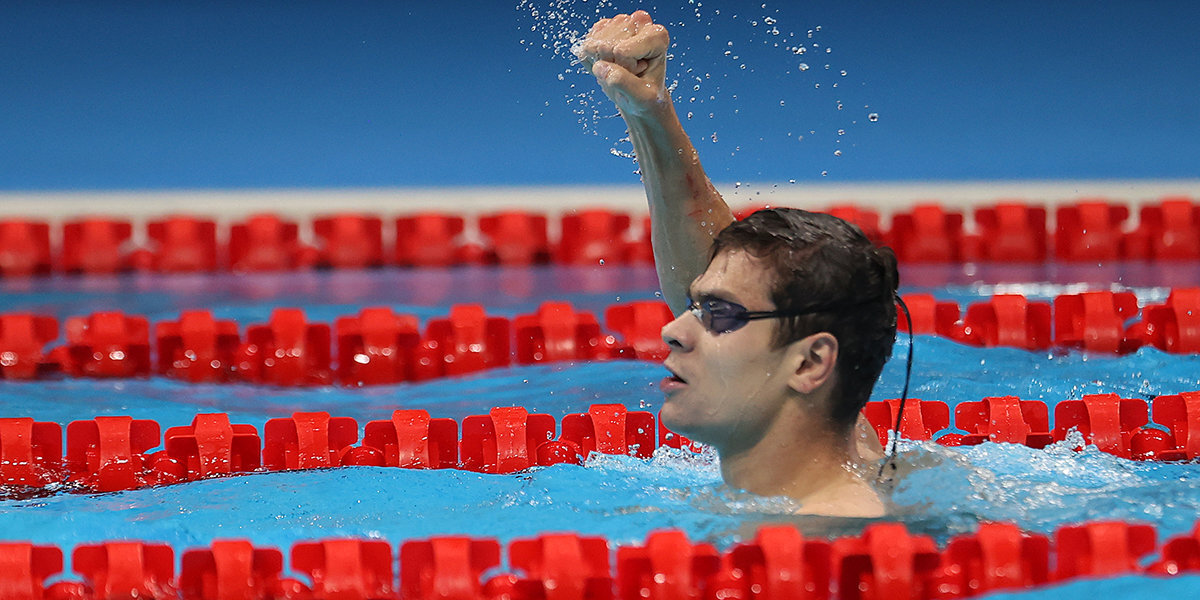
719, 316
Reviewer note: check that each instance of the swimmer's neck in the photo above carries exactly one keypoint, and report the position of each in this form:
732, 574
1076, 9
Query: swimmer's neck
807, 460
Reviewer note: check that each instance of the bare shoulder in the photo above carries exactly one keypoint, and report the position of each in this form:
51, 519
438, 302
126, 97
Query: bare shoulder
854, 498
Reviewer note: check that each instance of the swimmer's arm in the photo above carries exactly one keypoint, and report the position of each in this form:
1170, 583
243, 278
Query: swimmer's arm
686, 211
628, 56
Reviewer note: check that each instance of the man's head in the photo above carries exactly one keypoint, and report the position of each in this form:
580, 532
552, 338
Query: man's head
838, 290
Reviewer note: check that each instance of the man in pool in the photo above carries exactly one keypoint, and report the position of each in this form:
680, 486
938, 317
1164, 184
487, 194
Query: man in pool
785, 318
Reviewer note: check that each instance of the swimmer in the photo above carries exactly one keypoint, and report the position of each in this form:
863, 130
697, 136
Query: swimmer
785, 318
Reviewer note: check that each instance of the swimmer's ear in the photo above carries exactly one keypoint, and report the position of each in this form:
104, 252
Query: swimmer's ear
812, 361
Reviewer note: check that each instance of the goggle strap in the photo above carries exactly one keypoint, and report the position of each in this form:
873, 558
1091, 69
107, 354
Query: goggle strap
891, 456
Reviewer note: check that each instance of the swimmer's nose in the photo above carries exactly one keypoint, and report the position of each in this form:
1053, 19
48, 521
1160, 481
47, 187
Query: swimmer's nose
675, 333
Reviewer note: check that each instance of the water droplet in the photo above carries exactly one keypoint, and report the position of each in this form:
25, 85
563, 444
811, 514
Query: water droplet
841, 132
714, 137
837, 152
824, 173
843, 72
602, 261
781, 103
737, 184
873, 117
803, 66
791, 181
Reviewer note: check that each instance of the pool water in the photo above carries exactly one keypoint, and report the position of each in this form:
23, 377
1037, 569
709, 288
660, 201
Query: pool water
948, 491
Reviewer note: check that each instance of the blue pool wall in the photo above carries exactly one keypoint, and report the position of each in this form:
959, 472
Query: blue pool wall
274, 94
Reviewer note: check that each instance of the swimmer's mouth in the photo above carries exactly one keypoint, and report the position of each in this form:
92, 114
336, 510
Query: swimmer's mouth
675, 376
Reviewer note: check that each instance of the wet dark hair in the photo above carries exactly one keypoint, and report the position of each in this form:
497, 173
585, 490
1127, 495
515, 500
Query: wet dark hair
821, 262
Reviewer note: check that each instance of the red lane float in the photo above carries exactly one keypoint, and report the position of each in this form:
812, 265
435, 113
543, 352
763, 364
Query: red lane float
25, 567
506, 440
126, 570
24, 248
557, 332
886, 562
928, 234
922, 419
999, 556
1090, 230
931, 316
30, 452
1106, 420
1003, 419
778, 563
465, 342
1168, 231
1179, 555
1101, 549
429, 240
446, 567
23, 339
307, 441
640, 326
668, 566
346, 568
1094, 321
110, 453
1171, 327
287, 351
592, 237
267, 243
561, 565
211, 447
197, 348
349, 241
412, 440
107, 344
516, 238
781, 564
183, 244
1008, 320
233, 569
378, 346
96, 246
1011, 231
610, 429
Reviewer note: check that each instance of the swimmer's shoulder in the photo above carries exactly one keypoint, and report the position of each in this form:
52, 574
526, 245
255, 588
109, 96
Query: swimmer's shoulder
853, 498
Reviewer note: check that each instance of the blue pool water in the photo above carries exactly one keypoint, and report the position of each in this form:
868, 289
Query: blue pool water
619, 497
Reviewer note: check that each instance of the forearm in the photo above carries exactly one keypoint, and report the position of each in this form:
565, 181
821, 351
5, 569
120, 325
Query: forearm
686, 212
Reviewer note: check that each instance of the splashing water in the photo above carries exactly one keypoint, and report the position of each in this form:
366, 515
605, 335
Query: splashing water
556, 27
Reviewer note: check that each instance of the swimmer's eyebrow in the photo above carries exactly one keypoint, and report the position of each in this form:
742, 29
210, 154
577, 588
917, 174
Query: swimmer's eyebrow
717, 294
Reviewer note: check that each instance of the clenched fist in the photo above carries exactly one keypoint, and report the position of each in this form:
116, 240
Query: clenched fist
628, 56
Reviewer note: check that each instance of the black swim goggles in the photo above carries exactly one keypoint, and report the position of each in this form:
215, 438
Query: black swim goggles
723, 316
